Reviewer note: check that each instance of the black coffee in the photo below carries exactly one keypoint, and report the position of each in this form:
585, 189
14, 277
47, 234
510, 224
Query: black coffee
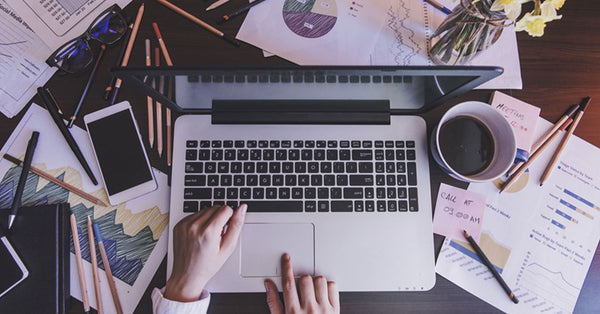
466, 144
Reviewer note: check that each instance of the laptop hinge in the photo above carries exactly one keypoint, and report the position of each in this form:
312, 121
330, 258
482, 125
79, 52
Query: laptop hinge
315, 111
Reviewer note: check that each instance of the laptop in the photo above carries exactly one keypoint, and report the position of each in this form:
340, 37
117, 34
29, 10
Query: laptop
332, 162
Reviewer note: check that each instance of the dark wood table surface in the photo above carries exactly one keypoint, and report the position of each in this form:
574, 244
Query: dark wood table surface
558, 69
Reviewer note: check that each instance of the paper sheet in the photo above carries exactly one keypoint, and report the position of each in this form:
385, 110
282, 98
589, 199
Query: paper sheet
134, 232
405, 40
541, 239
22, 62
315, 32
457, 210
521, 116
58, 21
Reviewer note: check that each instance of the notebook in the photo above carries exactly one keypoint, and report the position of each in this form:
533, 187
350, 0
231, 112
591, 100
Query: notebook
40, 235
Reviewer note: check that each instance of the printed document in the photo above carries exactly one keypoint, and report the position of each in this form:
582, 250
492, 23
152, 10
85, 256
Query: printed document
541, 239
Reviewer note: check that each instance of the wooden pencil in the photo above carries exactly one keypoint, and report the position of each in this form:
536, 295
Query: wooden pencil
134, 31
150, 102
169, 61
546, 136
79, 262
159, 127
92, 246
512, 179
56, 181
109, 276
200, 22
582, 106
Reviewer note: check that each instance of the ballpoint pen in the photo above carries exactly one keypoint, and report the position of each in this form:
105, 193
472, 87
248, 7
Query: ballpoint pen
16, 203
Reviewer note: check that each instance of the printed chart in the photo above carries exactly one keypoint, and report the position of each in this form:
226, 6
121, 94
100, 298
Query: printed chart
310, 18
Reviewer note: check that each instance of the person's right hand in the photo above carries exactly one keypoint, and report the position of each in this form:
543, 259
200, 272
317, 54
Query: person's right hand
316, 294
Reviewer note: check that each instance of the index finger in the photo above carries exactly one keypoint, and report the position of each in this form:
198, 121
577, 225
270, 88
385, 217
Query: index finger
290, 294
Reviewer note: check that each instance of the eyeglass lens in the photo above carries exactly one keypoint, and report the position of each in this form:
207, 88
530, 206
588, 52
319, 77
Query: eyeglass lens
74, 57
109, 28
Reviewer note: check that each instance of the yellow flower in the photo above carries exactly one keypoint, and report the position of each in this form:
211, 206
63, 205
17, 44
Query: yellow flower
512, 8
557, 4
533, 24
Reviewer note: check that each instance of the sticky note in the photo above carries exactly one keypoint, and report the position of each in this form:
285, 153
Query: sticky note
457, 210
521, 116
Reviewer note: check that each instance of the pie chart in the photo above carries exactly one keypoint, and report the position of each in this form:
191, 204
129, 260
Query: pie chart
310, 18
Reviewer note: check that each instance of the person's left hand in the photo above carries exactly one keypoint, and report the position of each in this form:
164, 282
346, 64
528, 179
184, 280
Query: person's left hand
202, 242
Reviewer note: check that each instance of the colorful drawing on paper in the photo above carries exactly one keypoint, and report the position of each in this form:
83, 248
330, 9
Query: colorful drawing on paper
128, 238
310, 18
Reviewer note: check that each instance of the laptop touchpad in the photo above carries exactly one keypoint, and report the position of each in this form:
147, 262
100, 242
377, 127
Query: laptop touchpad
262, 246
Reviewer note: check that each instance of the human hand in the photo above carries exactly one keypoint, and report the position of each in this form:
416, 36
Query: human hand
316, 294
202, 242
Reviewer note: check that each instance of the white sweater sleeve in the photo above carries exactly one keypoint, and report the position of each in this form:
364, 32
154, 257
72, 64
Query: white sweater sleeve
160, 305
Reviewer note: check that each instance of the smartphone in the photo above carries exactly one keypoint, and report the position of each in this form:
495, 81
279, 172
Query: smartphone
13, 269
120, 153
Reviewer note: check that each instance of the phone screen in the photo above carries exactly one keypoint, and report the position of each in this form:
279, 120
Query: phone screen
119, 152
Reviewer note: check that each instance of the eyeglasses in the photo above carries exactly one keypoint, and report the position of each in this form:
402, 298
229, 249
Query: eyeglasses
76, 55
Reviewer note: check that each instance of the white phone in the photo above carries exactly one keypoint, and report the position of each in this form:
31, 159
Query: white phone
120, 153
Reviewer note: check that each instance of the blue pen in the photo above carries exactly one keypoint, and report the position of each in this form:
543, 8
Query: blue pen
439, 6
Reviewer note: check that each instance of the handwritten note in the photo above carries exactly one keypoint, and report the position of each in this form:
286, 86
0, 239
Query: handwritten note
521, 116
457, 210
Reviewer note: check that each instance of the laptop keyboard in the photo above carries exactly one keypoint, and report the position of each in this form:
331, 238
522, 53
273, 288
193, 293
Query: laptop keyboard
301, 176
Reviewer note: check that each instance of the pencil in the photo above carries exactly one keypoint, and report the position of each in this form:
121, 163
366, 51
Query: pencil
111, 83
491, 267
239, 11
56, 181
109, 276
512, 179
149, 99
582, 106
16, 203
92, 246
79, 261
216, 4
73, 117
125, 61
167, 56
198, 21
161, 82
546, 136
439, 6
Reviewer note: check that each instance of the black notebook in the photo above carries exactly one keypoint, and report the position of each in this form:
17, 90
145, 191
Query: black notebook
40, 235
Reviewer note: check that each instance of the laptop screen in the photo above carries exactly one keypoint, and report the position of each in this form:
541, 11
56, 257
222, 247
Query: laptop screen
405, 89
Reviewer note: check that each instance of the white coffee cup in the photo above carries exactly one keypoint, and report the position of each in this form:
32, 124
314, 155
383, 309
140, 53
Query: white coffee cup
505, 144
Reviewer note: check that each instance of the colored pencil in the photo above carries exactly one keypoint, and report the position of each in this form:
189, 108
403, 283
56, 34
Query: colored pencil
167, 56
546, 136
512, 179
161, 86
239, 11
79, 262
111, 83
92, 246
56, 181
149, 100
16, 203
582, 106
216, 4
490, 266
439, 6
73, 117
125, 61
200, 22
109, 276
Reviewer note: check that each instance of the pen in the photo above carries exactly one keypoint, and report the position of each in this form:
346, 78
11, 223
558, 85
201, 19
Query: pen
582, 106
149, 100
111, 84
79, 262
109, 276
92, 247
87, 87
439, 6
161, 82
216, 4
491, 267
53, 110
16, 203
241, 10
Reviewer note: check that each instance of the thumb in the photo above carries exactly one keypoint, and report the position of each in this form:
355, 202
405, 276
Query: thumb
273, 300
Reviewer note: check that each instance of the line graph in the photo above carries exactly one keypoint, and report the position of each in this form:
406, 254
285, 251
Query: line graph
553, 284
13, 43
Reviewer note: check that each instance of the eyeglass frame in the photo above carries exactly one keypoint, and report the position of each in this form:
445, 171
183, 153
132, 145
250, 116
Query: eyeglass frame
86, 36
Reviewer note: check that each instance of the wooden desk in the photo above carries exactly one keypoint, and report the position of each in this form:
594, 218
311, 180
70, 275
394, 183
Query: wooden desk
558, 69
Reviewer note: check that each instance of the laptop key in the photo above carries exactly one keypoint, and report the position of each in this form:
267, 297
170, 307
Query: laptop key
242, 154
309, 144
410, 144
245, 193
310, 206
268, 154
380, 193
223, 167
271, 193
262, 167
336, 193
230, 154
353, 193
210, 167
401, 179
413, 205
294, 154
329, 180
306, 154
204, 154
412, 173
219, 194
338, 167
344, 144
191, 154
402, 193
355, 144
265, 180
190, 206
258, 193
342, 206
310, 193
402, 206
299, 167
263, 144
359, 206
205, 144
290, 180
351, 167
287, 167
252, 180
239, 144
390, 167
249, 167
379, 154
297, 193
361, 180
342, 180
381, 206
216, 144
362, 154
239, 180
193, 167
378, 144
232, 193
316, 180
286, 144
284, 193
227, 144
278, 180
251, 144
369, 206
303, 180
323, 206
323, 193
401, 167
345, 154
298, 144
369, 193
380, 180
213, 180
274, 167
205, 205
313, 167
391, 193
197, 193
255, 154
365, 167
226, 180
195, 180
236, 167
217, 154
399, 144
281, 154
274, 206
332, 154
326, 167
321, 144
391, 205
411, 154
319, 154
234, 205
